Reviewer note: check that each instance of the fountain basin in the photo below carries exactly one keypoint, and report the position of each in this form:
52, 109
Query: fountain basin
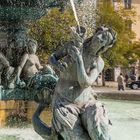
125, 118
119, 95
124, 115
25, 10
21, 14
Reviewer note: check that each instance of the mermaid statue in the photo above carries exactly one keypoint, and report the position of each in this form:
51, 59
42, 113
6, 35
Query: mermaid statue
77, 114
29, 79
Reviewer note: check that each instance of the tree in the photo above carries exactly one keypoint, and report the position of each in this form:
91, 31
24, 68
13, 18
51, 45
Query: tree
118, 20
52, 31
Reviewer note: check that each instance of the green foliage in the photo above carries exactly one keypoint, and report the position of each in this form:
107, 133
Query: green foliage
123, 53
52, 31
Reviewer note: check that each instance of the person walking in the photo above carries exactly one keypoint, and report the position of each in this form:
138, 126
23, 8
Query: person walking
120, 81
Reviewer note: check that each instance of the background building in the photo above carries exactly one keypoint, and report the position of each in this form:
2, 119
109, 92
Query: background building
136, 27
112, 74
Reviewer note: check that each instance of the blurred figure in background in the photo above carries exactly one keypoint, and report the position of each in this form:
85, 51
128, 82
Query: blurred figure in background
120, 80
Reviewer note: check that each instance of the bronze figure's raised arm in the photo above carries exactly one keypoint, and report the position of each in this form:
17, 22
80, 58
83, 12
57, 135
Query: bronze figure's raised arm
77, 114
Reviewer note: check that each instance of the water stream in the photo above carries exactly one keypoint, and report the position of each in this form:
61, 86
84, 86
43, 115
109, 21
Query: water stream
75, 13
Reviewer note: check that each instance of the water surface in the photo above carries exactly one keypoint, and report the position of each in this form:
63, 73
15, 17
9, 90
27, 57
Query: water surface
125, 117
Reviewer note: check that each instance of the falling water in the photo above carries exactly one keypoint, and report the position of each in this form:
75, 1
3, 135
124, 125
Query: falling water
18, 134
75, 14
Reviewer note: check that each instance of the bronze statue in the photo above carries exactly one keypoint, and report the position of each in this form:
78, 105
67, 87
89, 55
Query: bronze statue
77, 114
30, 70
5, 70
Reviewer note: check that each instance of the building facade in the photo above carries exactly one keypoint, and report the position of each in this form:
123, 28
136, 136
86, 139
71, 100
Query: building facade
136, 26
112, 74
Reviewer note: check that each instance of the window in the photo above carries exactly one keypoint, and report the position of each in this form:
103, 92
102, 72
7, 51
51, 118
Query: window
127, 4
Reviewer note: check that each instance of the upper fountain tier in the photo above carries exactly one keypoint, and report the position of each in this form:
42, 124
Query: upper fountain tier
25, 10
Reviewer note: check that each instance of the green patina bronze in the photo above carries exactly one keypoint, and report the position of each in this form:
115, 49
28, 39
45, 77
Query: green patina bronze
14, 16
26, 81
25, 10
32, 93
16, 94
76, 112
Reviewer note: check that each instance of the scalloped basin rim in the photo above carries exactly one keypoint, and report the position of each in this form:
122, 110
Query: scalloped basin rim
25, 10
21, 14
24, 3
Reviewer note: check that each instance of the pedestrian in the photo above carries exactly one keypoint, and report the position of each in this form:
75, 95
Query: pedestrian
120, 80
126, 80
